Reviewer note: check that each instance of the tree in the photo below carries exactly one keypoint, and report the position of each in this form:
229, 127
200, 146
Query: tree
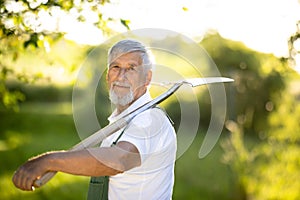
259, 81
269, 169
36, 25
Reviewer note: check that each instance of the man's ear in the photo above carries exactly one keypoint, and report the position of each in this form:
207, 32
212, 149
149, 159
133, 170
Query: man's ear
148, 78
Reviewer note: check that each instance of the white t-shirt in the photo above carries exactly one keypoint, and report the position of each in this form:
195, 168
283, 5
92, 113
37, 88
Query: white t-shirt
154, 137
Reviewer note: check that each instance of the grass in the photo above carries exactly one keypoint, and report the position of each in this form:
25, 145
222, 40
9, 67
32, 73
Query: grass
38, 128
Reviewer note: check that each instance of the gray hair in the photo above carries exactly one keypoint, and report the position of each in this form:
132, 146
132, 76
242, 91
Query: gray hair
127, 46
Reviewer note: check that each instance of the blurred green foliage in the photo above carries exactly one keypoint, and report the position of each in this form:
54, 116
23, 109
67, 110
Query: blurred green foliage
263, 102
270, 168
259, 82
37, 128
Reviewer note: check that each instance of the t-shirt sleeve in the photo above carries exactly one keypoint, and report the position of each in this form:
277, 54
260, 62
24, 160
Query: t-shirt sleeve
149, 132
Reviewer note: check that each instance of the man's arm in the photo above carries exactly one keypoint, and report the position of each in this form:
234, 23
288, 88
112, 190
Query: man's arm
88, 162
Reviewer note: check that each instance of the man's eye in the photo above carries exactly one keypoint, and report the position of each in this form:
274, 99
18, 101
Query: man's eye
131, 69
115, 68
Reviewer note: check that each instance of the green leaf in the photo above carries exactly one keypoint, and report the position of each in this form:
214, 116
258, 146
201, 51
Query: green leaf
125, 23
32, 41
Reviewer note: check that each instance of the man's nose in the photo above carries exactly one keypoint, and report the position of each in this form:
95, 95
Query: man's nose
122, 73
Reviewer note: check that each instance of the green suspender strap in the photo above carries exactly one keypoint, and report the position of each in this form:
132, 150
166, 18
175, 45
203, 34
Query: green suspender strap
98, 187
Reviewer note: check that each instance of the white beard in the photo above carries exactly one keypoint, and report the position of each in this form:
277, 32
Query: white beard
120, 100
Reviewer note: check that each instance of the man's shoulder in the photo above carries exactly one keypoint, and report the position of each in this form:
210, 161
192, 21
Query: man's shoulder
154, 114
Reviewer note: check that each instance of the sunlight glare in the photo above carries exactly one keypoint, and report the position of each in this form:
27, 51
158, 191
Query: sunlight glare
251, 22
14, 6
57, 74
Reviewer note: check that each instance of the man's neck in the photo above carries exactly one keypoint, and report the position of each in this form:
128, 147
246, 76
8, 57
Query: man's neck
120, 108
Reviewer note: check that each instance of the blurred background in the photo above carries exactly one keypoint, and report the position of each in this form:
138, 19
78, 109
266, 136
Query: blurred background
257, 43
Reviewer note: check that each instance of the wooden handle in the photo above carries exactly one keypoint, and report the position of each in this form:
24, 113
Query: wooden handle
44, 179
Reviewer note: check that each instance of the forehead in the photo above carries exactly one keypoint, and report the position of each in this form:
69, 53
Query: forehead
131, 57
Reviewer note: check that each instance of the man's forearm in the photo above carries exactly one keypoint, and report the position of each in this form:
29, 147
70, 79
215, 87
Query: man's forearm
83, 162
96, 161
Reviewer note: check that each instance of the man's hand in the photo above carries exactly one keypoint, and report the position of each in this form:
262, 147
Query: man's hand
26, 174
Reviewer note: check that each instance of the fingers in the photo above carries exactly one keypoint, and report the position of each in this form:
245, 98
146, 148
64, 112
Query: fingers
29, 172
33, 169
23, 179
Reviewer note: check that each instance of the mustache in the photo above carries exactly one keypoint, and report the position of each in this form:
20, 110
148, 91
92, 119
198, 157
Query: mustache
121, 84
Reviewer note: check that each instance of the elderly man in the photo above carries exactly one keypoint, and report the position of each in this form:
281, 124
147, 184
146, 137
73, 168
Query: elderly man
136, 162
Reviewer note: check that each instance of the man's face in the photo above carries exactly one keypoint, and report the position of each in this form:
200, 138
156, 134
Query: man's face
127, 79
